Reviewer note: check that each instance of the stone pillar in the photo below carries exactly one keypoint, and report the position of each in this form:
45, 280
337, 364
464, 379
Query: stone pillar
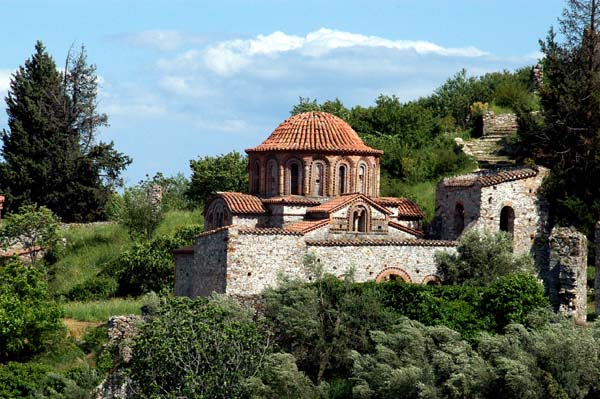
281, 179
597, 278
568, 272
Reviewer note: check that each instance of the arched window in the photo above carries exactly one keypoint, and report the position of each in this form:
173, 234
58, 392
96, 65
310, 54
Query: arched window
459, 219
359, 219
256, 177
342, 179
361, 184
507, 220
295, 182
319, 179
393, 274
272, 178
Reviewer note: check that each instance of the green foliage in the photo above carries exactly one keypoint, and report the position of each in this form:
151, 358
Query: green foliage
280, 378
200, 349
50, 154
21, 380
228, 172
481, 258
32, 227
98, 287
149, 265
28, 319
334, 107
318, 323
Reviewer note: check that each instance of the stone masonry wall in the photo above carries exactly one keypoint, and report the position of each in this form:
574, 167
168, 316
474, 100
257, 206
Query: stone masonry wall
446, 199
501, 124
568, 272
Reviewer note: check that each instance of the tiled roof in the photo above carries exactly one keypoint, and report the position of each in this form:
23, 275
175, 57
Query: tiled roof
183, 251
406, 207
398, 226
488, 178
240, 203
380, 242
268, 231
315, 131
291, 200
339, 202
305, 226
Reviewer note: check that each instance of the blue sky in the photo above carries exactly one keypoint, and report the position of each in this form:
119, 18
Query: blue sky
182, 79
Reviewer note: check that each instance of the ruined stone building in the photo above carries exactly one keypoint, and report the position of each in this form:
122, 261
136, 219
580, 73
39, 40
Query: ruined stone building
314, 189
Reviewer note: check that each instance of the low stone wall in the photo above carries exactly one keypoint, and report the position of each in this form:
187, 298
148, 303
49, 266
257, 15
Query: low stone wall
502, 124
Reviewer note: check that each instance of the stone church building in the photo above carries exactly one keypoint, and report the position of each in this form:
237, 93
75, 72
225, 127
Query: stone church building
314, 189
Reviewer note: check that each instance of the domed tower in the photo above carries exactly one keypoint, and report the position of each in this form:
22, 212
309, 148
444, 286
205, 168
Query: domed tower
313, 154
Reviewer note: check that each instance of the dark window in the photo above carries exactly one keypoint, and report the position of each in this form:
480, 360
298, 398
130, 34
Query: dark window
342, 179
319, 179
272, 179
295, 179
507, 220
256, 178
359, 220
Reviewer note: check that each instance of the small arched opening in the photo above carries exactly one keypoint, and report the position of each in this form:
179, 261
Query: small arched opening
459, 219
256, 177
358, 220
342, 179
362, 179
507, 220
393, 274
431, 279
272, 178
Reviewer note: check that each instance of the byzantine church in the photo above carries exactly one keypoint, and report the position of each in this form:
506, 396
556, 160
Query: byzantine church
314, 190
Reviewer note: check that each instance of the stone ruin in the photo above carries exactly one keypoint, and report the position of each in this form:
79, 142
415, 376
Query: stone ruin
567, 274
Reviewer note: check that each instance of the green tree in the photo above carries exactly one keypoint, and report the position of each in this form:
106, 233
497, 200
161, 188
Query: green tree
28, 319
198, 349
480, 259
228, 172
32, 228
50, 154
566, 137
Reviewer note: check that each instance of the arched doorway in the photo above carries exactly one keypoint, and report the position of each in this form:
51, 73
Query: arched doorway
507, 220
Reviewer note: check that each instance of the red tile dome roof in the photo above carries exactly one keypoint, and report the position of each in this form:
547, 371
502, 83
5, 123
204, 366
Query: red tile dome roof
318, 132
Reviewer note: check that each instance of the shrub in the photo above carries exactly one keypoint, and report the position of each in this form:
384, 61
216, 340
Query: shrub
200, 349
28, 319
481, 258
21, 380
96, 288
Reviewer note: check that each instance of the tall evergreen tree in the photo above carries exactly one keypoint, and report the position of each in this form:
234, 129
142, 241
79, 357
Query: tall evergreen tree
566, 137
50, 153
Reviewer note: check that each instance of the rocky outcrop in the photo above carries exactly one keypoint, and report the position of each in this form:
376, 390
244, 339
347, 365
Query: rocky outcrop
568, 272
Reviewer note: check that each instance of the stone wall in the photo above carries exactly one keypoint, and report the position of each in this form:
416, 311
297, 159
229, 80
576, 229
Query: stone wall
568, 272
502, 124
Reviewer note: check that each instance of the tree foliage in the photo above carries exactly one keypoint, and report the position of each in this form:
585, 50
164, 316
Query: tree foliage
228, 172
28, 319
50, 153
198, 349
480, 259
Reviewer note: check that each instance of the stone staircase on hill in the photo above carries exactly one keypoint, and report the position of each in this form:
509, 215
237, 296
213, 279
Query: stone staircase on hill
488, 150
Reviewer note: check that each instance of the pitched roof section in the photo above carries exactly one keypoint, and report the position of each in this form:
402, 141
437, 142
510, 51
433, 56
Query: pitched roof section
315, 131
306, 226
338, 203
242, 204
291, 200
386, 242
406, 207
401, 227
487, 178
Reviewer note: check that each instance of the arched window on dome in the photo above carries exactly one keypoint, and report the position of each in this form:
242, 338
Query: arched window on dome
293, 184
361, 184
256, 177
342, 179
272, 178
319, 179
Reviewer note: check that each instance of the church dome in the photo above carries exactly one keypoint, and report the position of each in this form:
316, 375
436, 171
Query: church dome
318, 132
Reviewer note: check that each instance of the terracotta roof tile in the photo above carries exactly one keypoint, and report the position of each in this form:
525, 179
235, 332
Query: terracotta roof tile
269, 231
406, 207
306, 226
240, 203
183, 251
487, 178
291, 200
417, 233
338, 203
315, 131
380, 242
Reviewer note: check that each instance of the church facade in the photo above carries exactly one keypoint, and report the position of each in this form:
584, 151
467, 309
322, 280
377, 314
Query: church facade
314, 190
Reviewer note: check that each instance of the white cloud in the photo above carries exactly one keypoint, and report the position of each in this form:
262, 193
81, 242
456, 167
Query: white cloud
232, 56
161, 39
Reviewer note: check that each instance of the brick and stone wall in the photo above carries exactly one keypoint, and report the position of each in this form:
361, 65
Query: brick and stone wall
568, 272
